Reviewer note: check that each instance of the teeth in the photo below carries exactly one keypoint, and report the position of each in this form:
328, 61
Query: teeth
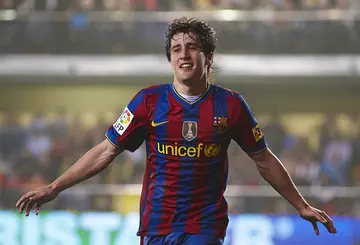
185, 65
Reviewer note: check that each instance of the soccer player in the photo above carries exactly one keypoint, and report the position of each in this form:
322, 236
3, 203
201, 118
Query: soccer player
187, 127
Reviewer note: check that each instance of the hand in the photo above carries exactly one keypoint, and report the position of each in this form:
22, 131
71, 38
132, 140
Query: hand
315, 215
34, 199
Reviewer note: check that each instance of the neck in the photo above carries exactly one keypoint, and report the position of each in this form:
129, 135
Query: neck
197, 88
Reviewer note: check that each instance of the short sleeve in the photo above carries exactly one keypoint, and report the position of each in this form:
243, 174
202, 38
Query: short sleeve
247, 131
130, 129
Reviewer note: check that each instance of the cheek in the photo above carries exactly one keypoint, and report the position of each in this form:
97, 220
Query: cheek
173, 66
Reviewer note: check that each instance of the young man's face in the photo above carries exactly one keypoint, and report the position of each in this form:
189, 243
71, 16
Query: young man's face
188, 60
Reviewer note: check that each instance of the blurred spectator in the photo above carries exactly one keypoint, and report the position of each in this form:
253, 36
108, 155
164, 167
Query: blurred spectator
63, 5
339, 146
11, 4
38, 144
97, 131
326, 133
39, 122
113, 5
334, 171
355, 175
12, 137
80, 30
149, 5
275, 135
7, 4
85, 5
135, 161
170, 5
58, 128
300, 163
40, 5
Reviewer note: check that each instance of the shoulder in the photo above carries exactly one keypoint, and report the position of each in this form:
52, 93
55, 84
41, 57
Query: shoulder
151, 93
231, 95
154, 90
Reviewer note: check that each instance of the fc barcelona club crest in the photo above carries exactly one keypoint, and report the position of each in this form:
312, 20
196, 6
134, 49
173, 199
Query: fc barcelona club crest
220, 124
189, 130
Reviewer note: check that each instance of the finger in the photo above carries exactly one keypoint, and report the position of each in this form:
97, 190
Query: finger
320, 218
330, 227
316, 228
37, 208
23, 198
329, 224
23, 205
29, 206
327, 217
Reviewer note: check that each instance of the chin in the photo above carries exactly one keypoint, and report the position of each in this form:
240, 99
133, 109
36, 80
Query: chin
185, 76
187, 80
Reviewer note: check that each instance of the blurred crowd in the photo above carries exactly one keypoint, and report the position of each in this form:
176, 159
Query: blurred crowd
172, 5
80, 30
77, 35
33, 154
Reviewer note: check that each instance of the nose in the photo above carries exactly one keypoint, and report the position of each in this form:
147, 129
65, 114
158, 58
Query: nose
184, 54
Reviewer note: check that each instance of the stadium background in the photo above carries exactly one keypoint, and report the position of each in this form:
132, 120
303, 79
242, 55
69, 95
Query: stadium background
68, 68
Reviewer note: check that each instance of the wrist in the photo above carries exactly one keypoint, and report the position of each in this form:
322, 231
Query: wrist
54, 186
302, 206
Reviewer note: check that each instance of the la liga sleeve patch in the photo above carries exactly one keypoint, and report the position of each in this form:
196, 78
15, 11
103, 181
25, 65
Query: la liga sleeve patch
123, 121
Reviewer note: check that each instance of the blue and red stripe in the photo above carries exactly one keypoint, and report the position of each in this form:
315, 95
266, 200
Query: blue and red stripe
157, 188
201, 168
216, 186
149, 180
187, 171
172, 169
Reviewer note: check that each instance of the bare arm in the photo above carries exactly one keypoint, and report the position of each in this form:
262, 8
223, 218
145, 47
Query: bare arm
274, 172
91, 163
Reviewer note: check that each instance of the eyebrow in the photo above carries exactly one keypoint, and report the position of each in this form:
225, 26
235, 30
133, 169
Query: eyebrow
187, 44
175, 46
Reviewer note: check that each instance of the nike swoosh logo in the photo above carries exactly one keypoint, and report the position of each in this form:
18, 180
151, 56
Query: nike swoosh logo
154, 124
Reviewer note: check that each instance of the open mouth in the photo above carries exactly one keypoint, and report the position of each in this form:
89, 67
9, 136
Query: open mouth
186, 66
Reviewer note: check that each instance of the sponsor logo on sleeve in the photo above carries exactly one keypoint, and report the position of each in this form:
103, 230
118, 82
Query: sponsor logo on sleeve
257, 132
123, 121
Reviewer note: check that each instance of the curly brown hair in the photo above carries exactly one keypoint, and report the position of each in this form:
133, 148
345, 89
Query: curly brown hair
203, 31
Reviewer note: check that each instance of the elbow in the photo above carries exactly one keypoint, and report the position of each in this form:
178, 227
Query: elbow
108, 153
265, 161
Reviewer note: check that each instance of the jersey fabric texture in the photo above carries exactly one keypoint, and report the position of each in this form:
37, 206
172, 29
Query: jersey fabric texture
177, 238
186, 163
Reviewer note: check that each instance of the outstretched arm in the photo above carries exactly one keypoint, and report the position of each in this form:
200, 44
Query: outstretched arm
250, 137
93, 162
274, 172
128, 132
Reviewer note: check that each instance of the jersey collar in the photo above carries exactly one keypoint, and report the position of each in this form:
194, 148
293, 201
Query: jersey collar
178, 96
